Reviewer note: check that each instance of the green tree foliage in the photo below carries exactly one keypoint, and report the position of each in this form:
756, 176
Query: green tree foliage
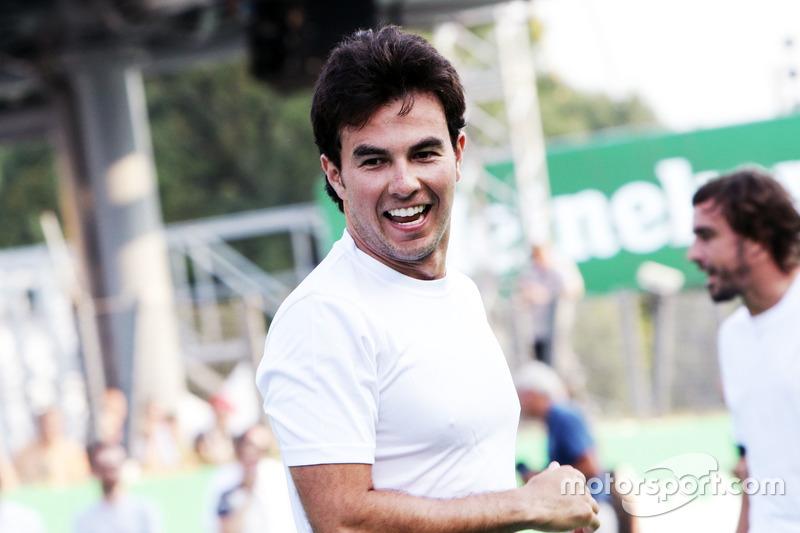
27, 188
566, 111
224, 143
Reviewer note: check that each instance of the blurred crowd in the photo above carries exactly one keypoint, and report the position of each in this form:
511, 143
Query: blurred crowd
247, 491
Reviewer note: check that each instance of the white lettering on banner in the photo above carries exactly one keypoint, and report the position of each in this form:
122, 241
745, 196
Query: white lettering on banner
641, 217
639, 210
675, 176
582, 223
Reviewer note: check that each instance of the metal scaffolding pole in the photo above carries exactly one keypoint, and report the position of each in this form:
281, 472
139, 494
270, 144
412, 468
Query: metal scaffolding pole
497, 69
524, 119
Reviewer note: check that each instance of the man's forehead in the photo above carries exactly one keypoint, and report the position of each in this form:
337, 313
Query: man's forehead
709, 215
394, 108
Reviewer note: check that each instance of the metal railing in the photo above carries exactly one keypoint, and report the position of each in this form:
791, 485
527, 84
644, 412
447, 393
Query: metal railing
224, 302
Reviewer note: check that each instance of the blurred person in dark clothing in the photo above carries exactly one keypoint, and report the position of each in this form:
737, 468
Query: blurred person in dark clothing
543, 396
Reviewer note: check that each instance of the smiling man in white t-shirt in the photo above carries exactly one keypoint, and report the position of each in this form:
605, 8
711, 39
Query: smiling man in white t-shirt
387, 391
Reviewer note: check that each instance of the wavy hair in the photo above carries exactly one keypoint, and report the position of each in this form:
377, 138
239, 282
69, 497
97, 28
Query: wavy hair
759, 208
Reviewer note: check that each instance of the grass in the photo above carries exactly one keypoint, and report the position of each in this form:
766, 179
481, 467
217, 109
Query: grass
637, 444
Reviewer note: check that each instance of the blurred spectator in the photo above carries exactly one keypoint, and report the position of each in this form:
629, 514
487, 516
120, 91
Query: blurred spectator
543, 396
251, 495
158, 444
540, 286
52, 457
113, 416
8, 475
215, 446
15, 518
549, 288
117, 511
548, 282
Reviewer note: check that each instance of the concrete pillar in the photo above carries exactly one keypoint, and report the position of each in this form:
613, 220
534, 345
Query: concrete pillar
112, 213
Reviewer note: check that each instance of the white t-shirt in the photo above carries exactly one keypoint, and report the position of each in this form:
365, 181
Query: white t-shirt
19, 518
760, 366
128, 514
365, 365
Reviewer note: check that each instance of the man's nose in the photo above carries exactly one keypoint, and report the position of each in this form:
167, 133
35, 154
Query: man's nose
692, 254
404, 180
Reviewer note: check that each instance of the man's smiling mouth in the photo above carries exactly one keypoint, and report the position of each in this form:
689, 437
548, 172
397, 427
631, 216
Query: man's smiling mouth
407, 215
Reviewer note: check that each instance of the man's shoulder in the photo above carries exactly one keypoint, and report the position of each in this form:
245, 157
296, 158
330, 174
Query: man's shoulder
735, 322
463, 283
88, 516
569, 431
129, 507
142, 508
566, 413
338, 271
734, 343
335, 276
125, 503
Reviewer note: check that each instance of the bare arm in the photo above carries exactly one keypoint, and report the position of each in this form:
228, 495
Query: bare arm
743, 525
341, 498
740, 471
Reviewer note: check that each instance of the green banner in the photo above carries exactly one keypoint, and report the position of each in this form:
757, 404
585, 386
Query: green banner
621, 202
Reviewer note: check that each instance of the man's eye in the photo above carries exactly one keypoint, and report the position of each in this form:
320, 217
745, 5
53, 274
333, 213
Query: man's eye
425, 155
371, 162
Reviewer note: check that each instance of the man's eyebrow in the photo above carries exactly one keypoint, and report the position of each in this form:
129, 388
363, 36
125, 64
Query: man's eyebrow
365, 150
428, 142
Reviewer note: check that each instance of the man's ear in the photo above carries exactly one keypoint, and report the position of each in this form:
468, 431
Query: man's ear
756, 250
333, 175
460, 143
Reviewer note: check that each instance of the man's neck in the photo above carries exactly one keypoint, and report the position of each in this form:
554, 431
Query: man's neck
112, 493
768, 289
433, 266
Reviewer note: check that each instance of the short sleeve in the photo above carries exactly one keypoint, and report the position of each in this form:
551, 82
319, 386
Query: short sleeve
318, 379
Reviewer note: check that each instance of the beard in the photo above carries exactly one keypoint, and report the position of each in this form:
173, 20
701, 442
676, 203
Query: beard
730, 282
724, 293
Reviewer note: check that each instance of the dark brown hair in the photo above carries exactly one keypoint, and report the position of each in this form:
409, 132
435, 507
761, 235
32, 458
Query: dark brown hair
372, 68
759, 208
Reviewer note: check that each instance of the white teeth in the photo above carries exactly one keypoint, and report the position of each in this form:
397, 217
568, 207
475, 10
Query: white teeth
407, 211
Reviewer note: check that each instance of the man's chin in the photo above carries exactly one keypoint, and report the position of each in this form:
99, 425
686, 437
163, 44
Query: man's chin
723, 294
